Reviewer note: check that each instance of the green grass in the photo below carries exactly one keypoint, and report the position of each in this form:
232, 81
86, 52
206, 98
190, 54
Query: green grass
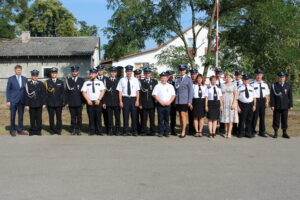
294, 122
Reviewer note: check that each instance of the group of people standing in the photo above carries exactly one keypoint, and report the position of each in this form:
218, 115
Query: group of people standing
231, 101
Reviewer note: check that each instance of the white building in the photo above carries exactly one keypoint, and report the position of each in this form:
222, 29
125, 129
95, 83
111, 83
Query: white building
148, 57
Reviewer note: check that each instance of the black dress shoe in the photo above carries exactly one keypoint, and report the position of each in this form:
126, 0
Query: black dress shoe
160, 135
181, 136
285, 135
167, 135
275, 134
263, 135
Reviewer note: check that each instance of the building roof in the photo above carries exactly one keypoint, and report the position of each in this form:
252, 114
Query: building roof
49, 46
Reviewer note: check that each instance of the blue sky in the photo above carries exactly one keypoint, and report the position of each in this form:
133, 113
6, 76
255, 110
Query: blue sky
95, 12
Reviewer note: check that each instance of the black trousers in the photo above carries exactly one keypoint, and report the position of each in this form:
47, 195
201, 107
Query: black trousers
191, 122
245, 119
95, 122
105, 117
35, 115
76, 117
261, 113
280, 115
148, 112
113, 111
173, 118
55, 111
129, 108
139, 119
163, 119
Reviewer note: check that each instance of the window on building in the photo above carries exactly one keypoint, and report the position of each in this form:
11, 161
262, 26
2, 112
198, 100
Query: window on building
141, 65
47, 72
190, 42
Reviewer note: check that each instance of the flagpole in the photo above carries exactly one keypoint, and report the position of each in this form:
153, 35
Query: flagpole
217, 33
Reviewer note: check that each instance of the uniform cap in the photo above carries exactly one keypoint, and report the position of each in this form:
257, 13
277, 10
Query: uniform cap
182, 67
93, 71
74, 69
129, 68
54, 69
258, 71
34, 72
100, 67
137, 72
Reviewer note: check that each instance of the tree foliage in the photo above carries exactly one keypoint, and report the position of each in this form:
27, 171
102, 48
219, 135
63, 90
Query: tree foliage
11, 13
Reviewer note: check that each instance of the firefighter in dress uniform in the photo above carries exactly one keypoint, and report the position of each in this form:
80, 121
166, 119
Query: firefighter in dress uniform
246, 107
35, 101
129, 94
55, 98
111, 102
147, 102
262, 91
104, 79
281, 102
93, 91
75, 100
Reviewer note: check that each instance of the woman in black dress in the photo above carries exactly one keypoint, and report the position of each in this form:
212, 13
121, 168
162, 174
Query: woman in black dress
213, 105
199, 105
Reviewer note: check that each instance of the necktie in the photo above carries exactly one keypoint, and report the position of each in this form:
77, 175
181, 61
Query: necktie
260, 91
246, 92
128, 87
215, 94
237, 83
20, 81
200, 92
93, 86
219, 83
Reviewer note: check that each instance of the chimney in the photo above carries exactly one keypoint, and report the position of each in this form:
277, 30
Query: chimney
25, 36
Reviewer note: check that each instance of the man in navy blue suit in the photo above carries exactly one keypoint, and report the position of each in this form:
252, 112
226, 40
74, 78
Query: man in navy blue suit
15, 100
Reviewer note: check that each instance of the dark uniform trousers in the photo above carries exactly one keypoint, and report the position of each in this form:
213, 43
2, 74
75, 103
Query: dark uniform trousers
281, 102
245, 119
129, 107
113, 111
76, 117
55, 111
261, 113
163, 119
35, 114
148, 112
280, 115
95, 122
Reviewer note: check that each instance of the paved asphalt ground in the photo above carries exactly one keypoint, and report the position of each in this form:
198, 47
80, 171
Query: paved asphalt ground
138, 168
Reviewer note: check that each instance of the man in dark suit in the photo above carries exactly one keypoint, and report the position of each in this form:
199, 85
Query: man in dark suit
15, 100
281, 102
111, 102
55, 94
147, 102
35, 101
75, 100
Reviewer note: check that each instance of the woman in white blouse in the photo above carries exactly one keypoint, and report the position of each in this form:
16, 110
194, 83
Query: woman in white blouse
213, 105
198, 105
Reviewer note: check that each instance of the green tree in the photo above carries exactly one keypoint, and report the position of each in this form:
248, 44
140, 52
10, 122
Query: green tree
86, 30
48, 18
265, 35
11, 13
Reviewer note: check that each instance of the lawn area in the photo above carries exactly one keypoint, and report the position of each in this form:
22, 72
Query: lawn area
294, 122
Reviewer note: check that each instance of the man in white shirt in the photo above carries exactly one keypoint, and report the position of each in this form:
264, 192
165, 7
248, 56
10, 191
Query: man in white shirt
238, 78
93, 91
246, 107
129, 95
164, 94
262, 93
